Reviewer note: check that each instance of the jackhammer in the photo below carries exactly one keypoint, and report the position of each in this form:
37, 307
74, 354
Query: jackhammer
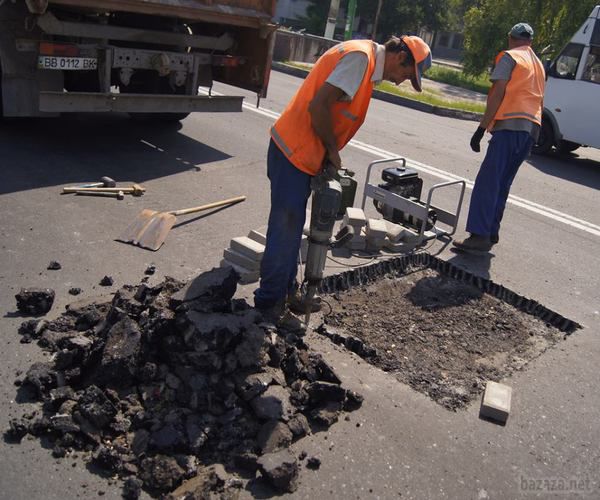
326, 199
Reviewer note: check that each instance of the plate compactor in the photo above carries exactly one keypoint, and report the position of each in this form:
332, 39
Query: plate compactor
397, 198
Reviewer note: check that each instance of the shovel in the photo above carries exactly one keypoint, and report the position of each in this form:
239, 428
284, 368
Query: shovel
150, 228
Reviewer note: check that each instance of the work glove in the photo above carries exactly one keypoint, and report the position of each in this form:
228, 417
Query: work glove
476, 139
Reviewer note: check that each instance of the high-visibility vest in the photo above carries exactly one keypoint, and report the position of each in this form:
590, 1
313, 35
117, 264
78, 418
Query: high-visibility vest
525, 89
293, 132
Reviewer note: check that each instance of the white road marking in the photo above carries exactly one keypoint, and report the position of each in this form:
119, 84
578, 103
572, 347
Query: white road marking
543, 210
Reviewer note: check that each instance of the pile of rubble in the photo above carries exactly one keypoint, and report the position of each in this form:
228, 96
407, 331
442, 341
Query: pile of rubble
170, 386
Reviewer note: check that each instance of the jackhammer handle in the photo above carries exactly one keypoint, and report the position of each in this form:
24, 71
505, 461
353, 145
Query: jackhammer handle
216, 204
328, 171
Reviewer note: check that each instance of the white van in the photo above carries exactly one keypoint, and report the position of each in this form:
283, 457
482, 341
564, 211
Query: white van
572, 98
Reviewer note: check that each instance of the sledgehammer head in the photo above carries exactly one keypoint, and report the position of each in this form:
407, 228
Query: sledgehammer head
106, 182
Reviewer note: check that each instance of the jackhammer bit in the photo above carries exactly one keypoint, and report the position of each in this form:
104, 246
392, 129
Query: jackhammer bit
326, 199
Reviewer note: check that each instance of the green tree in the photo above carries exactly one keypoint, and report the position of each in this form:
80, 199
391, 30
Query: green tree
316, 17
397, 16
487, 22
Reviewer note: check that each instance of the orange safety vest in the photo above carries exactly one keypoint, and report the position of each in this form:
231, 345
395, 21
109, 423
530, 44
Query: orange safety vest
525, 90
293, 132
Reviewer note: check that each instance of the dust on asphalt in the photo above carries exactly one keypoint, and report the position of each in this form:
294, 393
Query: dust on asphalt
443, 337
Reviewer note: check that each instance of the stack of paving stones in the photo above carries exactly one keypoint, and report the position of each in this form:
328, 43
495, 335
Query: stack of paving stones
245, 253
398, 237
355, 218
179, 389
376, 234
372, 235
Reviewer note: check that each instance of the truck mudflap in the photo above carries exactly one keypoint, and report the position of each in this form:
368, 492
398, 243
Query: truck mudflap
77, 102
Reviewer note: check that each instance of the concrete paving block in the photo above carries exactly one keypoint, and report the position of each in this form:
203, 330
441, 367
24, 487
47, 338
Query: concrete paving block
357, 245
250, 248
354, 217
304, 248
376, 228
258, 237
396, 247
306, 229
496, 401
394, 231
374, 245
241, 260
409, 236
359, 240
246, 276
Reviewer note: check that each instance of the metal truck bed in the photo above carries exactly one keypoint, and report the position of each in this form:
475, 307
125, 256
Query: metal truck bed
248, 13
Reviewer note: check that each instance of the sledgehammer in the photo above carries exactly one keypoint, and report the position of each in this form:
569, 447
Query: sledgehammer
105, 182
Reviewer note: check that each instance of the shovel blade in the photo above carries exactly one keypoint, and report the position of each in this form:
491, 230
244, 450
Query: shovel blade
135, 229
154, 233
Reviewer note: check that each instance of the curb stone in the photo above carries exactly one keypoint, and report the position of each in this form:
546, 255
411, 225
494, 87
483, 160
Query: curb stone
393, 98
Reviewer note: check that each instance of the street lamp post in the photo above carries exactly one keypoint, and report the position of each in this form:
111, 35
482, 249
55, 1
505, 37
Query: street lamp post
334, 7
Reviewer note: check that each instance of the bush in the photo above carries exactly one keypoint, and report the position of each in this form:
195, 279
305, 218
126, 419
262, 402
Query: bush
457, 78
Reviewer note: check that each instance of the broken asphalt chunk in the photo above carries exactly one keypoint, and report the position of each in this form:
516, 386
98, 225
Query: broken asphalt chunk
35, 301
281, 470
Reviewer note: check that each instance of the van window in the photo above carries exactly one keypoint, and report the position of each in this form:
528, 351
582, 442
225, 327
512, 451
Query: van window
591, 72
596, 34
566, 64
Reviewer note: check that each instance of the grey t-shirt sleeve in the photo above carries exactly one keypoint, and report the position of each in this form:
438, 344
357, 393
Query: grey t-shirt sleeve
349, 73
503, 69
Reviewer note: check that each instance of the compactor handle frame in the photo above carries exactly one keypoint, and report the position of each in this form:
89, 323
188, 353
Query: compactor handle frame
416, 209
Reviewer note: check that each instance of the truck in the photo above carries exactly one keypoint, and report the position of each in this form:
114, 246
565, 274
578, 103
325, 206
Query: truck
572, 96
148, 58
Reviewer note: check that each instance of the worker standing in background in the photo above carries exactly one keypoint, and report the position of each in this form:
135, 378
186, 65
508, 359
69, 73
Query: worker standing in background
513, 115
321, 118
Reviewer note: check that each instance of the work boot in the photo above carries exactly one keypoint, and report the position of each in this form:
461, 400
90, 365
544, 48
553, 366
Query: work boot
290, 323
297, 303
280, 317
474, 243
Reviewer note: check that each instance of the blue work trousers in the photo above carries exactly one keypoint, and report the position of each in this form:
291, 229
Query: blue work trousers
290, 190
505, 153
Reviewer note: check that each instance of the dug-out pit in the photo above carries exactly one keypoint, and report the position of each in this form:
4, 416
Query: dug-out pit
437, 328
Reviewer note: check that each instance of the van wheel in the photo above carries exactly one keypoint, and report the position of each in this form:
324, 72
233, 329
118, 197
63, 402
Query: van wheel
565, 147
545, 140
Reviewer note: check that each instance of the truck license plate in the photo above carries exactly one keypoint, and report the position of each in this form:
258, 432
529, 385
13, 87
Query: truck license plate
67, 63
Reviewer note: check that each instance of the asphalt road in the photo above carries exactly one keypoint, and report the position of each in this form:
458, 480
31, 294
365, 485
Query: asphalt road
406, 445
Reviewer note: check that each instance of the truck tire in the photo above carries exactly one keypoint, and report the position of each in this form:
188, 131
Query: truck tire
545, 140
565, 147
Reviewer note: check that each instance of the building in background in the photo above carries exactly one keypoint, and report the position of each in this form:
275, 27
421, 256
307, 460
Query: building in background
444, 44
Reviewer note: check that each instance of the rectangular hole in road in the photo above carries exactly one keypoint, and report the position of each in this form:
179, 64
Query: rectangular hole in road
436, 327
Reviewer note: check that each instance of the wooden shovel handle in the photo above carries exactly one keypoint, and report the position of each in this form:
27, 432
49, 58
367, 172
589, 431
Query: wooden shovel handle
216, 204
